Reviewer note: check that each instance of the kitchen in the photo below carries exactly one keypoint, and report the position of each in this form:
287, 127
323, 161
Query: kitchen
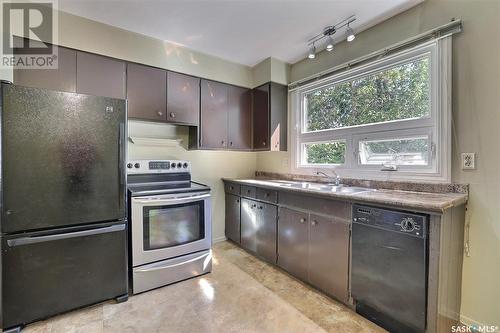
226, 118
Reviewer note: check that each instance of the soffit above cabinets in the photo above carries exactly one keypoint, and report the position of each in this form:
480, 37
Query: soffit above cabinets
245, 32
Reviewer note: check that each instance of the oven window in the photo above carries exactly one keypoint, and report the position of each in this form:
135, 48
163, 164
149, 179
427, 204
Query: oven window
167, 226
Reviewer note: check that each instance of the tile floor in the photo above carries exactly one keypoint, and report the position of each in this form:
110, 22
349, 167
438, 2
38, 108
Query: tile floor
242, 294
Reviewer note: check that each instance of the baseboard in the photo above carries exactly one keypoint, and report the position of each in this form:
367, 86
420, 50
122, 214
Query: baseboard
219, 239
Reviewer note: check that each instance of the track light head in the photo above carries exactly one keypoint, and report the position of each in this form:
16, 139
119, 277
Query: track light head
312, 52
350, 34
329, 44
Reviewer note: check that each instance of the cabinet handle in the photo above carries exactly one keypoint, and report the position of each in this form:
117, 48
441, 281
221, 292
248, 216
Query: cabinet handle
237, 201
253, 206
263, 143
302, 220
172, 114
160, 113
249, 191
231, 143
232, 188
260, 207
222, 142
314, 222
266, 195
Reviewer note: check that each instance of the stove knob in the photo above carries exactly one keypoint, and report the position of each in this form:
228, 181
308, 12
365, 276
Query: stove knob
173, 165
179, 165
129, 165
137, 165
185, 165
408, 224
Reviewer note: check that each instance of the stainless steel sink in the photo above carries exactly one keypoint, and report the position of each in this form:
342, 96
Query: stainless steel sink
323, 187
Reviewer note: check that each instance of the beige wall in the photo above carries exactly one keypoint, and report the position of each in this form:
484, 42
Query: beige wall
476, 122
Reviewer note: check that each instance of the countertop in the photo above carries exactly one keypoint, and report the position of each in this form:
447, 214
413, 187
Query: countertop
423, 201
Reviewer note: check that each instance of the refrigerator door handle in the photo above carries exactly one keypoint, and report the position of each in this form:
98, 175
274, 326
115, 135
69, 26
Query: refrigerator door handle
49, 238
121, 173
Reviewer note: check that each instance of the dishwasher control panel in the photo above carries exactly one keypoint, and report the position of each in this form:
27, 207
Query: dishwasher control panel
393, 220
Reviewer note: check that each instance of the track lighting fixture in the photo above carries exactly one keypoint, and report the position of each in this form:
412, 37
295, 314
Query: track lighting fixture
329, 44
312, 52
328, 33
349, 33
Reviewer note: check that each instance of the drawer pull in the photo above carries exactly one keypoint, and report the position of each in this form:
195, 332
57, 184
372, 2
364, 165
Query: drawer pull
302, 220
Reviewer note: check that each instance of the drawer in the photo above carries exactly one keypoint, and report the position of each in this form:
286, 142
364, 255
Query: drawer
232, 188
268, 195
248, 191
169, 271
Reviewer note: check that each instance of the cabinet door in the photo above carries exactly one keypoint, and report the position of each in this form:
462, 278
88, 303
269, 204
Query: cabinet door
213, 115
100, 76
62, 79
279, 116
266, 231
146, 92
261, 117
329, 256
239, 118
293, 242
233, 218
249, 224
183, 99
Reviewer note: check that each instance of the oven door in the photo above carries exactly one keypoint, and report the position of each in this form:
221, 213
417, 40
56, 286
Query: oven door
170, 225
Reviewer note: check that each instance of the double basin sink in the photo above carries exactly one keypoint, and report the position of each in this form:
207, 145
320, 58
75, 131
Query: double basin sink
322, 187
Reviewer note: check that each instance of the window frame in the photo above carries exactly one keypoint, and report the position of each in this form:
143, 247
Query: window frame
437, 125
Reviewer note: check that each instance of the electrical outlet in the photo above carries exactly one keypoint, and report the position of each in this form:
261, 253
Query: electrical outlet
468, 161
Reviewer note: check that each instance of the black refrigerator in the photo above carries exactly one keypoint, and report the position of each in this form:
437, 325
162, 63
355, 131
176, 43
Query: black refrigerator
62, 196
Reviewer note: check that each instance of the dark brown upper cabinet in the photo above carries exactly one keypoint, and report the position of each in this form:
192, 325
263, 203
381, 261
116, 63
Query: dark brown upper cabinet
270, 119
100, 76
63, 78
146, 92
214, 108
183, 99
239, 118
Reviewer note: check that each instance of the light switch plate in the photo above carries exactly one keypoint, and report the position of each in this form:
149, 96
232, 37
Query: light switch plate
468, 161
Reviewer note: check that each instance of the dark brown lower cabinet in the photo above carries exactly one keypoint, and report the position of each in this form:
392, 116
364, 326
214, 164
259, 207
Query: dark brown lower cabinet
315, 249
311, 242
329, 255
293, 242
233, 217
258, 228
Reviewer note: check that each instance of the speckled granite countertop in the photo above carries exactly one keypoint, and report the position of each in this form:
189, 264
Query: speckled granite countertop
423, 201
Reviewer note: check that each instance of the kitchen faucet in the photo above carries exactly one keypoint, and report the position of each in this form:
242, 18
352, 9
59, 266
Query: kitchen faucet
336, 179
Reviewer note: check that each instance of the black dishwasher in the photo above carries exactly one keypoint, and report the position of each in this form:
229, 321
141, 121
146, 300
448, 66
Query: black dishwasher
389, 267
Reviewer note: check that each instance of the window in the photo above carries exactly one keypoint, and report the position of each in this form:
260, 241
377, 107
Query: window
389, 115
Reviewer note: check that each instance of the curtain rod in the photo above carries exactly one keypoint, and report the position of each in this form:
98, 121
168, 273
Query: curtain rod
455, 26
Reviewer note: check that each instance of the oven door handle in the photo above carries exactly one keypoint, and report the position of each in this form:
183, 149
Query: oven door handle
172, 200
160, 267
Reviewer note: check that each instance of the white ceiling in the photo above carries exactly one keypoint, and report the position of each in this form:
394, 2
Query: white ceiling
243, 31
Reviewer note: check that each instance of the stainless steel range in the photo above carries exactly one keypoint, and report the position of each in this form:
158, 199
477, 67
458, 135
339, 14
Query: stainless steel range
170, 219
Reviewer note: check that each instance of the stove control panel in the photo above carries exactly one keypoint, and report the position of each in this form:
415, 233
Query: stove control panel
157, 166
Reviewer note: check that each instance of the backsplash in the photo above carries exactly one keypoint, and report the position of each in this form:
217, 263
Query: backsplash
379, 184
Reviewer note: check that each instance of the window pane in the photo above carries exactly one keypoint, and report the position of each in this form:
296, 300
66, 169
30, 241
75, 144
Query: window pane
407, 151
397, 93
325, 153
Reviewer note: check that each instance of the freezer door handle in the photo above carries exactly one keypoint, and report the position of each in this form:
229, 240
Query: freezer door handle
49, 238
